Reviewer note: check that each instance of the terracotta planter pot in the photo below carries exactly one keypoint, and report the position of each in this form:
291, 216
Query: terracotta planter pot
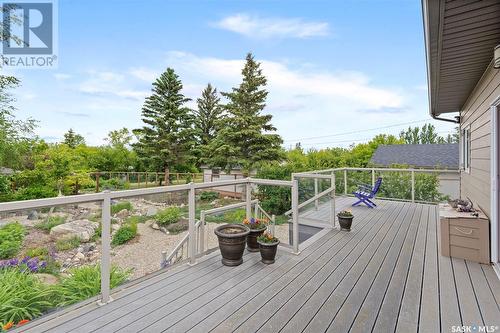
345, 222
268, 252
252, 244
232, 239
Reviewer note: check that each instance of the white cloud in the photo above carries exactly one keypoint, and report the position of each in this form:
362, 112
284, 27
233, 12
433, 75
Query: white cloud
61, 76
110, 83
144, 74
272, 27
295, 83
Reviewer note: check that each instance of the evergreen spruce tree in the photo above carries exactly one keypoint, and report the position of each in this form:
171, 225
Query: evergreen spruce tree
72, 139
246, 140
207, 119
166, 140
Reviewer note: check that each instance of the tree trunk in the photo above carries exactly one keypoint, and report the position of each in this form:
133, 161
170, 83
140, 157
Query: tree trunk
166, 176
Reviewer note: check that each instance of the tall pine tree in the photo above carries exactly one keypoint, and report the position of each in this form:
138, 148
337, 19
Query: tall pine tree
166, 140
207, 118
246, 140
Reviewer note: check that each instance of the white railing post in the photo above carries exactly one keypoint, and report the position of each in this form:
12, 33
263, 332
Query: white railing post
248, 199
316, 202
295, 215
163, 259
106, 249
273, 225
412, 185
192, 231
345, 181
256, 210
202, 231
332, 201
373, 178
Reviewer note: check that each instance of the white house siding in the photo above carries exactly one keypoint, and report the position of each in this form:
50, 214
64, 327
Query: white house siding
475, 183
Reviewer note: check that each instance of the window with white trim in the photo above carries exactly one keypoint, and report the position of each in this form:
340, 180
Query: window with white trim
466, 149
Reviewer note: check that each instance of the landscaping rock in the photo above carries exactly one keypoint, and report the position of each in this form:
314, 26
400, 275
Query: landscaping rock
47, 279
155, 226
85, 248
115, 227
79, 256
83, 229
152, 211
33, 215
122, 214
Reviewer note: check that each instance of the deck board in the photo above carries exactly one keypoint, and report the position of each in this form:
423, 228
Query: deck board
385, 275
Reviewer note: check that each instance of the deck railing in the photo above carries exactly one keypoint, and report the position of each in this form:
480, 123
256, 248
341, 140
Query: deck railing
106, 197
193, 243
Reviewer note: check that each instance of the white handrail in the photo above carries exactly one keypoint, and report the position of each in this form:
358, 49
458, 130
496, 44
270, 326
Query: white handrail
314, 198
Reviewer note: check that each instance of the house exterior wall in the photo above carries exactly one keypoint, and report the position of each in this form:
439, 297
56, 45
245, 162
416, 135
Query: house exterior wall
475, 182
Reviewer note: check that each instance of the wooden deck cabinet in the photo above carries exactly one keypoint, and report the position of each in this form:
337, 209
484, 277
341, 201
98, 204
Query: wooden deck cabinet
464, 235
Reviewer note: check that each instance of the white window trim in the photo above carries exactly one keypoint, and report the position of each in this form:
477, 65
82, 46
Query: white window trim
465, 148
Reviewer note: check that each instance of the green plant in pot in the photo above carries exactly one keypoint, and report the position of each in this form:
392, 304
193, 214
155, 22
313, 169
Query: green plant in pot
232, 239
345, 219
268, 246
257, 228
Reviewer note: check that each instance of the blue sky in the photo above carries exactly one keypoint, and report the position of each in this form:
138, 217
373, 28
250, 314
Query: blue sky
333, 67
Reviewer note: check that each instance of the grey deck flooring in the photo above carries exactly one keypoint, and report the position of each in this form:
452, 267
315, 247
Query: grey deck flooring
386, 275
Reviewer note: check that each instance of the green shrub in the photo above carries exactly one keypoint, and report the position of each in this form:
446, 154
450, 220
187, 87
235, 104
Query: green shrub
34, 192
126, 232
209, 195
138, 219
235, 216
37, 252
275, 199
67, 244
119, 206
114, 184
50, 222
11, 238
23, 296
5, 186
168, 216
85, 282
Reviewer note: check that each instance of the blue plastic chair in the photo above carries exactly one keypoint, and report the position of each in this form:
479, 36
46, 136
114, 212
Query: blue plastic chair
366, 193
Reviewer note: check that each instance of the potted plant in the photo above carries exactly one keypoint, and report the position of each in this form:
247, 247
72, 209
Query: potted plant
268, 246
232, 239
345, 219
257, 228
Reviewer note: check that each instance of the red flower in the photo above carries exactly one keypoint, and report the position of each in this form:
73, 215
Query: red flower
22, 322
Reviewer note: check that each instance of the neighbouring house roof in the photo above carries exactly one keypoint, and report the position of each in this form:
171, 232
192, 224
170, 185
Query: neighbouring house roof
419, 156
459, 40
6, 171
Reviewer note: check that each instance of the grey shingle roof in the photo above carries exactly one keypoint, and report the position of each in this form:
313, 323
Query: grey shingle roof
420, 156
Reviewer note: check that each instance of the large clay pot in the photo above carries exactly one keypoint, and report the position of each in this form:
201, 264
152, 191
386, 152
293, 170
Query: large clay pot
252, 244
232, 239
268, 251
345, 222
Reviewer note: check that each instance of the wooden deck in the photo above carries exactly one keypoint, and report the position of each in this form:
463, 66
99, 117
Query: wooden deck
386, 275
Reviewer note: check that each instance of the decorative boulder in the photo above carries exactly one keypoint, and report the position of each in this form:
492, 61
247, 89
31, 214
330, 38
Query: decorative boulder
83, 229
122, 214
33, 215
152, 211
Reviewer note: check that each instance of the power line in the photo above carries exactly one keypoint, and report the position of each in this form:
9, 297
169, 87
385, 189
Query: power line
357, 131
358, 140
